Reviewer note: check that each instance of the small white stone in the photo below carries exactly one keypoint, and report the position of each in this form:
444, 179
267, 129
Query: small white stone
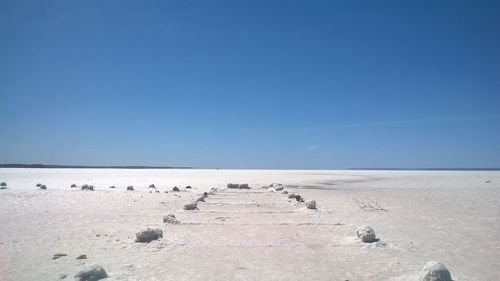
366, 234
311, 204
91, 273
87, 187
435, 271
244, 186
171, 219
149, 234
190, 206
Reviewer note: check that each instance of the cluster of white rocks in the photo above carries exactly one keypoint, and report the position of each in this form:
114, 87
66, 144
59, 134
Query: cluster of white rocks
432, 271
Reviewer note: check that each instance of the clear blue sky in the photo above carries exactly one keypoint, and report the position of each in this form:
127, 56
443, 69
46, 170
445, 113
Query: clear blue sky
251, 84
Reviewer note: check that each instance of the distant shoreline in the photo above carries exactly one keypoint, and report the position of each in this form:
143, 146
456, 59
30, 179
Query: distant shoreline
425, 169
43, 166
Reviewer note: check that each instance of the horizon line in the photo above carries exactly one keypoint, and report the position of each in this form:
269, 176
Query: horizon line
50, 166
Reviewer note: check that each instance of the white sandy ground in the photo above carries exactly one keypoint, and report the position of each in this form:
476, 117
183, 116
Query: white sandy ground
256, 234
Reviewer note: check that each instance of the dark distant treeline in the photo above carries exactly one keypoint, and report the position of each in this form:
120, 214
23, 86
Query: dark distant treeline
86, 167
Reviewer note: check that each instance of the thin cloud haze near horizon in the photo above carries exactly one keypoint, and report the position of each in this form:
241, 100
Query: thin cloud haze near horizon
391, 123
257, 84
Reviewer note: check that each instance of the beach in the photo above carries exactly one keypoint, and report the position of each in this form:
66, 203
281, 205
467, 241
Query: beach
249, 234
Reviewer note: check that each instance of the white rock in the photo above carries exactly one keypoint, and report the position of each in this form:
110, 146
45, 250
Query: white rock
244, 186
311, 204
171, 219
191, 206
149, 234
435, 271
366, 234
91, 273
297, 197
87, 187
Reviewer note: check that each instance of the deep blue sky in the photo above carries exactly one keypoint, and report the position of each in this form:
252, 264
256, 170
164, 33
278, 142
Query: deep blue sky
251, 84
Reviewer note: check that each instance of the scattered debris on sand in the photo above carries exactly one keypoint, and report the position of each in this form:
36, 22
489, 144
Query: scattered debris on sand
311, 204
435, 271
149, 234
171, 219
58, 255
191, 206
62, 276
87, 187
366, 234
81, 257
176, 189
274, 186
91, 273
130, 187
369, 204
